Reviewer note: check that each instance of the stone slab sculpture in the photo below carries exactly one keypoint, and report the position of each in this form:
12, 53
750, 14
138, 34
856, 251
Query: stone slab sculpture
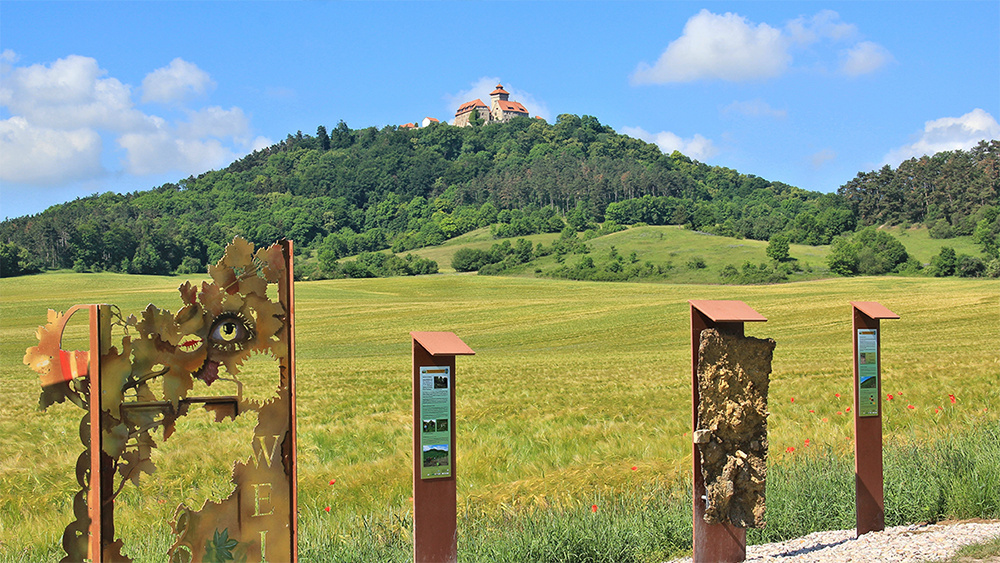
733, 377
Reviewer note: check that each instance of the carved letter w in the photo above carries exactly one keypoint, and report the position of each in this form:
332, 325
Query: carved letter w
260, 449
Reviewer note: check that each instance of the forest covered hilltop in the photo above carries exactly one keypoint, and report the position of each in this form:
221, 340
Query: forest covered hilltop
345, 191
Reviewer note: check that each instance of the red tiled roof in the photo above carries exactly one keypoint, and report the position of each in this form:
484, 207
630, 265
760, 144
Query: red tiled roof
499, 90
432, 119
407, 126
467, 106
512, 106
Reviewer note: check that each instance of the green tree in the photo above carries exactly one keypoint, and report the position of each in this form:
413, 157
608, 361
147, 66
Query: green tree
843, 257
469, 259
474, 119
324, 138
943, 264
777, 248
10, 260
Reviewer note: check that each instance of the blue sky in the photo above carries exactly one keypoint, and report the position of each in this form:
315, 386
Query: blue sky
125, 96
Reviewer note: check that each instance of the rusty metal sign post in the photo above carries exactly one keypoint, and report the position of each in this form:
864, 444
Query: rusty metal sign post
435, 538
720, 543
214, 332
868, 476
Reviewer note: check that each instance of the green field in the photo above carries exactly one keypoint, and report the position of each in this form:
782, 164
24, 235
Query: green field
919, 243
663, 245
678, 247
573, 385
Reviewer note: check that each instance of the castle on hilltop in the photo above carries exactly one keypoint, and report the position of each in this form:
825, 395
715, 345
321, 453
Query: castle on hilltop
501, 109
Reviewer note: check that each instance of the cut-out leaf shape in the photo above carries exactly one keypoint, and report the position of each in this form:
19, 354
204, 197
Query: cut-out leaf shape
133, 465
225, 278
114, 438
211, 298
160, 323
219, 549
115, 370
239, 255
273, 261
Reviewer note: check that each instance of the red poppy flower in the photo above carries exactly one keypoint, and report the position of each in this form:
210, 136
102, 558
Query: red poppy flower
634, 468
807, 441
837, 395
937, 410
952, 397
910, 407
889, 396
327, 509
332, 481
839, 412
812, 411
826, 420
789, 450
848, 409
593, 508
793, 399
900, 393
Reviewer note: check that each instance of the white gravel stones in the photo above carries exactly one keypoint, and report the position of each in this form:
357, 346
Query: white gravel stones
913, 543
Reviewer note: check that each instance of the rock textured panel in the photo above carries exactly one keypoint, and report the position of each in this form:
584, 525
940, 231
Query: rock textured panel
733, 377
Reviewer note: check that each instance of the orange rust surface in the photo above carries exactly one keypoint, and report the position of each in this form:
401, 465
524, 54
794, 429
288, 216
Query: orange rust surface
727, 311
442, 344
874, 310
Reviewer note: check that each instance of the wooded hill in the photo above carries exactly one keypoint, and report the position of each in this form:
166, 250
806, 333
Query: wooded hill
348, 191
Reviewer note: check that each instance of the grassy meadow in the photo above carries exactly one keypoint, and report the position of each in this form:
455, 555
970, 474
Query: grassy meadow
578, 397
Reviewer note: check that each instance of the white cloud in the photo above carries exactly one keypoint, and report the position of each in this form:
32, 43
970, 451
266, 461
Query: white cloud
697, 147
948, 134
822, 157
824, 25
7, 60
754, 108
726, 47
71, 94
159, 152
864, 58
215, 122
729, 47
259, 143
481, 89
60, 111
39, 156
175, 82
190, 147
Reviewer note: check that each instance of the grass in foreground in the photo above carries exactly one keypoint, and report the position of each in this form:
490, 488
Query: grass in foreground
573, 384
988, 551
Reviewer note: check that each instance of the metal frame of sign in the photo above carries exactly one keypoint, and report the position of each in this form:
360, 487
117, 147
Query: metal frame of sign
870, 503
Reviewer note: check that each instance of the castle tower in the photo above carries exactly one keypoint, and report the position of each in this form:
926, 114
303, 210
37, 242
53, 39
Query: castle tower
499, 94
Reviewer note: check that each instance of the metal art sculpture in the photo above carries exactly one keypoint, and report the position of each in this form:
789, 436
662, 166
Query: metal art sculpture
218, 327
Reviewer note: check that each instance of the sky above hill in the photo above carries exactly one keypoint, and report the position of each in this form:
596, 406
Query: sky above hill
126, 96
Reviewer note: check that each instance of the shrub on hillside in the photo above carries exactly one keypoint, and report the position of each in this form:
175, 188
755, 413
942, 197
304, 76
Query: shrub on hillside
869, 252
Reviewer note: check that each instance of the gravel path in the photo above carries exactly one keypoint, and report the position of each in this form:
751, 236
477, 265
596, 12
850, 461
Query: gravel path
916, 542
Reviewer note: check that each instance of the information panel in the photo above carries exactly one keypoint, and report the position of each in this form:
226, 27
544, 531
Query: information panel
435, 417
868, 372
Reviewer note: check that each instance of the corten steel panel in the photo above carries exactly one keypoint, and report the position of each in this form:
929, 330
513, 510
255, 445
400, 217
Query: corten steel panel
870, 503
293, 470
874, 310
91, 536
435, 507
727, 311
442, 344
722, 543
100, 488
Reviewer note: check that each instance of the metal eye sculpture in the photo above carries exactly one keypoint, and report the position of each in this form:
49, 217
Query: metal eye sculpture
220, 324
